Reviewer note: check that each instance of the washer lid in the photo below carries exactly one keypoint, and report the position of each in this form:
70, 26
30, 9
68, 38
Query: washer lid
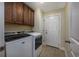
35, 33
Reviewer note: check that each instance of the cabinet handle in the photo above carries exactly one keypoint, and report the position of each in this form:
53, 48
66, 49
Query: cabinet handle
23, 42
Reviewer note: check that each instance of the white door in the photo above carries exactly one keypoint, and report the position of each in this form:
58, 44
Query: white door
52, 24
74, 29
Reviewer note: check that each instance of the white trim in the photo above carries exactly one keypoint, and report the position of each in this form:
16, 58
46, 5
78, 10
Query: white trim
75, 41
73, 54
62, 48
66, 55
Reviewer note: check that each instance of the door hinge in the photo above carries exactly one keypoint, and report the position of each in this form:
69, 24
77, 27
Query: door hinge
67, 42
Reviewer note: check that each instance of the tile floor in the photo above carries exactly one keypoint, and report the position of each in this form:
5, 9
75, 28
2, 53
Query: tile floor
49, 51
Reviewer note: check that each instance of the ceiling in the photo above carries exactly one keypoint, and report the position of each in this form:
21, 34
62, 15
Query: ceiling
46, 6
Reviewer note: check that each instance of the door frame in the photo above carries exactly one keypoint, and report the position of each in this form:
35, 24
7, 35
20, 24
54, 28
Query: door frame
54, 14
68, 28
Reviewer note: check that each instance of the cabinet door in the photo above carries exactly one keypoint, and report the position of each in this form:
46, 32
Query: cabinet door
18, 12
28, 46
31, 17
26, 15
9, 12
19, 48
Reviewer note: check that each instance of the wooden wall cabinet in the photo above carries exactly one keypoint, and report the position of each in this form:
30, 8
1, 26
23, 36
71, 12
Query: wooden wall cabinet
19, 13
9, 12
31, 17
26, 15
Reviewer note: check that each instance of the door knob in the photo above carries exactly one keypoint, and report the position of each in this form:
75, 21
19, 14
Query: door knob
23, 42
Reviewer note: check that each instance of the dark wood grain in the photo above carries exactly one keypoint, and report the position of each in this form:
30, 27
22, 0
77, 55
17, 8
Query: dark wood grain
31, 17
9, 12
26, 15
18, 12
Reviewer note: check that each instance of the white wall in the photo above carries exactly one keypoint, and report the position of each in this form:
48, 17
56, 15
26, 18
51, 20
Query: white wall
67, 17
16, 27
75, 21
38, 24
1, 27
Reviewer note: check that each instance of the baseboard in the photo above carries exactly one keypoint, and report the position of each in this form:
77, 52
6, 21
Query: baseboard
62, 48
73, 54
66, 55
